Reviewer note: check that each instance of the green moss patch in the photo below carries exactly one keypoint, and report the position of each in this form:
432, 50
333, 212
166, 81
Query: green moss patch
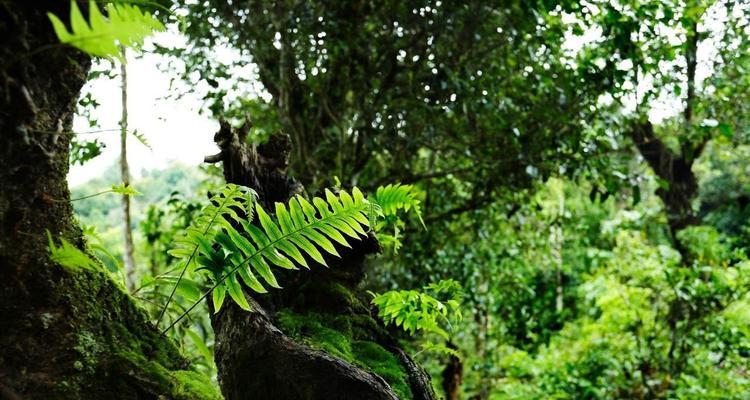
347, 338
183, 384
115, 343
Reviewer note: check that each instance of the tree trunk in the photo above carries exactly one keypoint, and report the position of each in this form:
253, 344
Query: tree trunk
675, 170
125, 177
316, 338
66, 333
453, 375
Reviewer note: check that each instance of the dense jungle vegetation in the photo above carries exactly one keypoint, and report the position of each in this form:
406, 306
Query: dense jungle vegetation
404, 200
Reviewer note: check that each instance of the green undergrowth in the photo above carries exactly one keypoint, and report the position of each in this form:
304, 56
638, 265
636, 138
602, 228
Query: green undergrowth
349, 338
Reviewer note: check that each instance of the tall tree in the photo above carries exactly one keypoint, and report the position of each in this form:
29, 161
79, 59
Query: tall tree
68, 330
647, 63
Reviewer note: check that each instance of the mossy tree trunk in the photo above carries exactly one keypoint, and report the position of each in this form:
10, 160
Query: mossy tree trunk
316, 337
66, 333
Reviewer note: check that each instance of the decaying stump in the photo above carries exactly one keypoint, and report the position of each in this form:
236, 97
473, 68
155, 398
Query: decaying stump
316, 337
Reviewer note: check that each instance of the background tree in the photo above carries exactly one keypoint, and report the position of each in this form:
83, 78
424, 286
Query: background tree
129, 261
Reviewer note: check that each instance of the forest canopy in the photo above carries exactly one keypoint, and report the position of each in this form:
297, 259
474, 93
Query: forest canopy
396, 200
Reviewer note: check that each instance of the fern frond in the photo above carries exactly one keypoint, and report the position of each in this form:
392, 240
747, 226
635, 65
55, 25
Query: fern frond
419, 311
125, 25
300, 230
392, 198
125, 190
141, 138
440, 348
69, 256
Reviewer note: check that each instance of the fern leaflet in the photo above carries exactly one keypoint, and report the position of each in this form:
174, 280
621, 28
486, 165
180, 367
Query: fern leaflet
125, 25
69, 256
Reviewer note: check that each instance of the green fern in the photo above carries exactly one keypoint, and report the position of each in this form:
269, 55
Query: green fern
232, 251
69, 256
296, 233
440, 348
125, 25
125, 190
392, 198
387, 203
421, 311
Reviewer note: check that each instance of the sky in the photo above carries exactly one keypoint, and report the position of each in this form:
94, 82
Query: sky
174, 128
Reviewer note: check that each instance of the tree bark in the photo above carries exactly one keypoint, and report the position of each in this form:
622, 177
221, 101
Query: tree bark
67, 333
675, 170
453, 375
255, 356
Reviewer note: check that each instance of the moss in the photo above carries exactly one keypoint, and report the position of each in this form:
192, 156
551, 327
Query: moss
116, 344
89, 349
382, 362
193, 385
182, 384
343, 293
346, 337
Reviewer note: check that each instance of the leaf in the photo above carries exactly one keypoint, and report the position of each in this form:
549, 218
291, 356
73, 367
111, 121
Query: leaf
125, 25
69, 256
726, 130
235, 292
125, 190
141, 138
218, 297
414, 311
395, 197
203, 349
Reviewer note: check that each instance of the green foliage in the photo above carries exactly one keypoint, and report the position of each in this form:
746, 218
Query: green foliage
125, 25
125, 190
395, 197
246, 249
232, 201
388, 202
576, 286
421, 311
69, 256
82, 151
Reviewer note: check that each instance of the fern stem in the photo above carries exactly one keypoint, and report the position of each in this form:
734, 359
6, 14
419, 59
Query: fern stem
91, 195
